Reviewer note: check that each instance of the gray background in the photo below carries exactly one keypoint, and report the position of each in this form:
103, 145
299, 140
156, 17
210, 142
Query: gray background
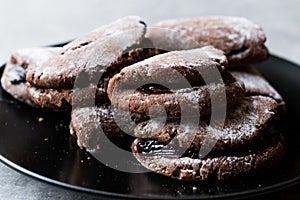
37, 22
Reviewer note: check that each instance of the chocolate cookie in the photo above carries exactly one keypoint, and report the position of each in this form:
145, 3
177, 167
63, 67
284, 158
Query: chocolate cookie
86, 94
13, 77
176, 68
92, 60
64, 99
142, 85
243, 125
240, 39
32, 58
249, 160
87, 123
256, 84
92, 54
145, 100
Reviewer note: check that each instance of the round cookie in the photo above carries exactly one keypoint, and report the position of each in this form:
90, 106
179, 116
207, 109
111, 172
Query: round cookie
186, 72
262, 155
240, 39
174, 67
91, 53
144, 101
13, 77
13, 82
256, 84
62, 99
31, 58
86, 94
243, 125
87, 123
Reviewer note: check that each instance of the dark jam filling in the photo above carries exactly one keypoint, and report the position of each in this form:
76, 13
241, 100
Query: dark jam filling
191, 153
237, 51
148, 146
21, 77
154, 89
17, 81
151, 146
154, 147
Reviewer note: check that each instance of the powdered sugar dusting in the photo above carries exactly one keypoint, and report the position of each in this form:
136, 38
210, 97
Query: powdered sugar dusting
223, 32
13, 78
212, 168
241, 124
99, 48
168, 66
256, 84
33, 57
85, 125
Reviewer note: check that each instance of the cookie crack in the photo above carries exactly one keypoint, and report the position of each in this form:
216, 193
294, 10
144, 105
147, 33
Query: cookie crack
237, 51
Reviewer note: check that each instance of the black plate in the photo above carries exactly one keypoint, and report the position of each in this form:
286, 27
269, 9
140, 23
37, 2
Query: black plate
46, 151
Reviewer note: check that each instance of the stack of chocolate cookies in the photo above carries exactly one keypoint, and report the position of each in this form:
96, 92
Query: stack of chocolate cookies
244, 143
183, 95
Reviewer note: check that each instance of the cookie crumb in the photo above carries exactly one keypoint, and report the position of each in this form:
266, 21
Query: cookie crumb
40, 119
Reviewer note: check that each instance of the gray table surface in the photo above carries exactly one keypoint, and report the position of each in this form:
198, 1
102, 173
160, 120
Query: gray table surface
36, 23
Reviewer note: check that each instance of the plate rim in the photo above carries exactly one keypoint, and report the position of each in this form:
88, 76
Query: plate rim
237, 195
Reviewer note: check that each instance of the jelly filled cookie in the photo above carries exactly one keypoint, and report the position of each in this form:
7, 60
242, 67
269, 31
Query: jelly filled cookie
240, 39
89, 62
145, 84
243, 125
13, 77
249, 160
90, 124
